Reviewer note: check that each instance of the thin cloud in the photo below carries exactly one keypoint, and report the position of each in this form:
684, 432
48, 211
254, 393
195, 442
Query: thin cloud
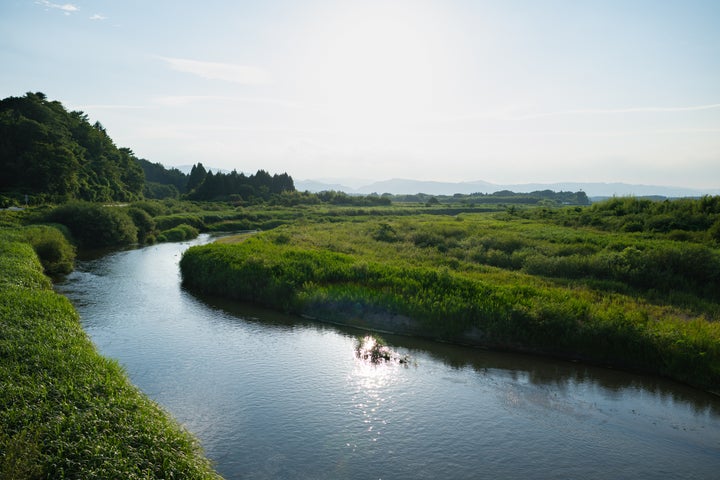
615, 111
229, 72
68, 8
109, 107
179, 100
511, 114
98, 16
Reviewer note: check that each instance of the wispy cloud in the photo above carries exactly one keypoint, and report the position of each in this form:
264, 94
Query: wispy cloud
98, 16
616, 111
67, 8
107, 107
179, 100
229, 72
515, 113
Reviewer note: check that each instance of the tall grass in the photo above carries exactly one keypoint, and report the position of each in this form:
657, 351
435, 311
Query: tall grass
559, 290
65, 411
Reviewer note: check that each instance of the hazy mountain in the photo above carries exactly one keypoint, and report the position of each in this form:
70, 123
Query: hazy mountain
592, 189
319, 186
405, 186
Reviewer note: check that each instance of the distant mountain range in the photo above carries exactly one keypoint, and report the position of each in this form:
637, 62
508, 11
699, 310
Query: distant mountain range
405, 186
399, 186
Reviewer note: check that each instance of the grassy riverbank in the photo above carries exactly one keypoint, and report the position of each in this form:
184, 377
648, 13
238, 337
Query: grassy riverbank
66, 411
633, 300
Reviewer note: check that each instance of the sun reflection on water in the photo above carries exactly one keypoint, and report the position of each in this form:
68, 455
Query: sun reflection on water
373, 381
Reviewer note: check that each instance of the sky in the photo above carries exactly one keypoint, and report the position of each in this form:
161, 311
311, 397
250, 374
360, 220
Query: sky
504, 91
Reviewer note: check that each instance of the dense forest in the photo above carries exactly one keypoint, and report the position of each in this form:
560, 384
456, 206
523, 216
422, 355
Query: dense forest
52, 154
48, 152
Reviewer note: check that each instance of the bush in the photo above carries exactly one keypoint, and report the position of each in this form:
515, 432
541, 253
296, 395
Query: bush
386, 233
153, 208
167, 222
94, 225
55, 252
144, 223
178, 234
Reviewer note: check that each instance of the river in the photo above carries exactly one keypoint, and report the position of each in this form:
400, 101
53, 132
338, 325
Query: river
279, 397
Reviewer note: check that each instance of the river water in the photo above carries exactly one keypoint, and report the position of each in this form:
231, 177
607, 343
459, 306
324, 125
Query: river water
279, 397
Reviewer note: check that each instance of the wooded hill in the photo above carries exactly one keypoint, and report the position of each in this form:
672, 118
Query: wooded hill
49, 152
56, 155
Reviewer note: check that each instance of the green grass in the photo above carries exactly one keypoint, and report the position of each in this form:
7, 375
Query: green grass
617, 298
66, 411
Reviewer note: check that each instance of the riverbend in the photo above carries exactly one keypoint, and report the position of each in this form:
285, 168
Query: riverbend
275, 396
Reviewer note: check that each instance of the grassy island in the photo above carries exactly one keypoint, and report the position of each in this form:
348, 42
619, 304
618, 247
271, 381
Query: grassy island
595, 283
66, 411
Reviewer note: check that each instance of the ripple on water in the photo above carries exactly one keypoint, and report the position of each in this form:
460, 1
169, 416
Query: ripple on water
272, 396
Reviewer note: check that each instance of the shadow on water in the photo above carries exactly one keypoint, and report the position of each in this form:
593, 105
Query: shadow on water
534, 369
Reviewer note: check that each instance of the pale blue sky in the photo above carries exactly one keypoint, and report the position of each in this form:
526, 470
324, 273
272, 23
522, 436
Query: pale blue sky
449, 90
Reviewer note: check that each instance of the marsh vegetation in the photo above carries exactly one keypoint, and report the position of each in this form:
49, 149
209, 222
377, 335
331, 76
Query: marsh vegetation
571, 282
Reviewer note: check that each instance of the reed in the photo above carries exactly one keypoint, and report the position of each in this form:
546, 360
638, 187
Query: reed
511, 283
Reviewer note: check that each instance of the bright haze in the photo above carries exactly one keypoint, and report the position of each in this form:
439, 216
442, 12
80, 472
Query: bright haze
511, 91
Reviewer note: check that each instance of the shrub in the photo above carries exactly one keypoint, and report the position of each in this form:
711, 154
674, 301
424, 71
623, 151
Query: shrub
178, 234
144, 223
94, 225
167, 222
386, 233
153, 208
55, 252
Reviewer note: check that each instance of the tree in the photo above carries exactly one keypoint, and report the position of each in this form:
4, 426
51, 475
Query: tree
197, 176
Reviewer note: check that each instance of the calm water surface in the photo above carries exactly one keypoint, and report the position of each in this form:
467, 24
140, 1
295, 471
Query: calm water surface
273, 396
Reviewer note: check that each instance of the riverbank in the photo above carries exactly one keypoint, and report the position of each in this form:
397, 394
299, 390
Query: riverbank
382, 276
66, 411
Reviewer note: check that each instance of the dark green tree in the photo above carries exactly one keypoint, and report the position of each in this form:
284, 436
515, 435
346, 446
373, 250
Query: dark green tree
196, 178
156, 173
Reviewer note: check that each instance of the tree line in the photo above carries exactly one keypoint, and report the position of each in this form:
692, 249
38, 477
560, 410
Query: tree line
56, 155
